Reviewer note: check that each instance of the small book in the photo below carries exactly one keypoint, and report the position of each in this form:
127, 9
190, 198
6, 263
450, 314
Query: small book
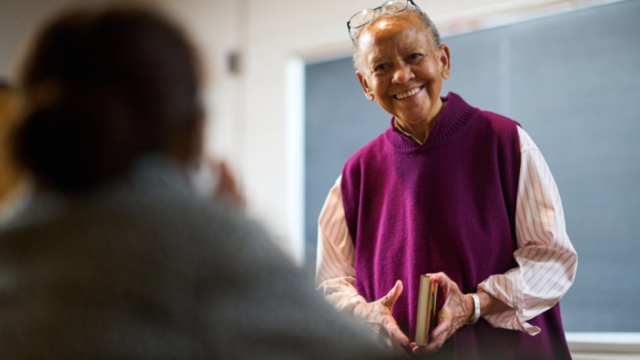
426, 320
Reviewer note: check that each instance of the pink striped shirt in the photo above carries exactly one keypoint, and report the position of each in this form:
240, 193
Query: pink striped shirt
546, 259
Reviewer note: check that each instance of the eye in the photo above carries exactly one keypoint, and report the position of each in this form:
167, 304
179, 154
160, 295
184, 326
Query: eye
415, 56
380, 68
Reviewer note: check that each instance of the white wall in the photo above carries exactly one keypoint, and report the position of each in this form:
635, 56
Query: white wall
18, 19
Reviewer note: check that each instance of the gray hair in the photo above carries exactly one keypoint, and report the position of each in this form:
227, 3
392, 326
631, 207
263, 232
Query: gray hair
385, 14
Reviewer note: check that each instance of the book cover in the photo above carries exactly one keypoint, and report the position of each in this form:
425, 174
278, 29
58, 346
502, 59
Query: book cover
426, 319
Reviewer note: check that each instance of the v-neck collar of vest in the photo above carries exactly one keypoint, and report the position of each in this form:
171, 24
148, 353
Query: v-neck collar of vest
454, 116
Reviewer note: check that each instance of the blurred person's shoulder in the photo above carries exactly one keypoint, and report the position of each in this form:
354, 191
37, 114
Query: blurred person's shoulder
151, 239
153, 208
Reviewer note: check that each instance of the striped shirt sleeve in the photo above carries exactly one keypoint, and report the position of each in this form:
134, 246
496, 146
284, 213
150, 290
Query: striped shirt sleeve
547, 260
335, 274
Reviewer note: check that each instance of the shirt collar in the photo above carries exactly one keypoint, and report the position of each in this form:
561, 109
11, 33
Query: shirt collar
400, 129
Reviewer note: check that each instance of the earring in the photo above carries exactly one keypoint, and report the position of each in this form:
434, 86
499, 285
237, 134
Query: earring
369, 96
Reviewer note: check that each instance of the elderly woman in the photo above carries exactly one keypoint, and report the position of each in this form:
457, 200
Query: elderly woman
449, 190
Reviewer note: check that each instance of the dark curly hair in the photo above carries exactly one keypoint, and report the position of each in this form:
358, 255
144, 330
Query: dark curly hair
104, 86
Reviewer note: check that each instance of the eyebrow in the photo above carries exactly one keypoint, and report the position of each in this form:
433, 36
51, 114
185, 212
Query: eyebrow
376, 59
414, 48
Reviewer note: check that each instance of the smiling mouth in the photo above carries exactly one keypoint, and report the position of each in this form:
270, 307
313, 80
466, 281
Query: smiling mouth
409, 93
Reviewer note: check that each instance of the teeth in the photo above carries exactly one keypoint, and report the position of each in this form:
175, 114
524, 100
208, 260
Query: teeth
408, 93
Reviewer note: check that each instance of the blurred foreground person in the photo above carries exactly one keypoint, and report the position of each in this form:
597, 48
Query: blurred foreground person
115, 256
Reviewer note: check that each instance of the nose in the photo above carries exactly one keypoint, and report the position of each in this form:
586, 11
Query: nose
402, 74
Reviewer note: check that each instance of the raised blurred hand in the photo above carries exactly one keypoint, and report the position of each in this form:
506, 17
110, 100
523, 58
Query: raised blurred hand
227, 189
213, 179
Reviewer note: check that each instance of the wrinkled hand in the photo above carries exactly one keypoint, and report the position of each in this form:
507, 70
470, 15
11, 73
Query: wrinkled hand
455, 313
378, 315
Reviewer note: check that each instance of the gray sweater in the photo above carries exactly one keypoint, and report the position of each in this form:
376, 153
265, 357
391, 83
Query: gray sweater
144, 269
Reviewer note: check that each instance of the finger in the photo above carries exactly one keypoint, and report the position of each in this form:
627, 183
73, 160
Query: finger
398, 336
393, 295
418, 350
441, 329
439, 335
431, 347
444, 324
443, 281
445, 314
390, 326
421, 350
394, 345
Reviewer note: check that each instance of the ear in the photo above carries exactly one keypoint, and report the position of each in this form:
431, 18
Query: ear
363, 83
188, 144
445, 61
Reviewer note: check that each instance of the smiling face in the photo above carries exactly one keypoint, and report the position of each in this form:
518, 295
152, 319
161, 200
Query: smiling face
403, 69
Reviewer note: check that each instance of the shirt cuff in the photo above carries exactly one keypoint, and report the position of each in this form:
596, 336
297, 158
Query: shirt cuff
341, 293
505, 288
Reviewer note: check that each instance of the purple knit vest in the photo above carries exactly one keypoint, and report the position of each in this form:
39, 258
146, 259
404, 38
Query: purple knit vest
448, 205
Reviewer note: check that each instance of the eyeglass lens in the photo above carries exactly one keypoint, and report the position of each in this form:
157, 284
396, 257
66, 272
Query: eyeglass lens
365, 16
